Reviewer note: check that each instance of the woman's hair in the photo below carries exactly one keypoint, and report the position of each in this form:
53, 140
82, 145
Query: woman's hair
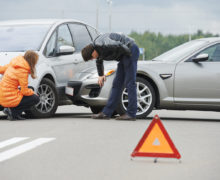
87, 52
31, 57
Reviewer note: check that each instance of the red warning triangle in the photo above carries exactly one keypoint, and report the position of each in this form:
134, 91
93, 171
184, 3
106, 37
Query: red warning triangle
156, 142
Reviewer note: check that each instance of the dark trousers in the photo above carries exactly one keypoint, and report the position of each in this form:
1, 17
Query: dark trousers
26, 103
125, 77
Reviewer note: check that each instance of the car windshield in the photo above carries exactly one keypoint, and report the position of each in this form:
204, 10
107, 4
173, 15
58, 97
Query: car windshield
18, 38
181, 51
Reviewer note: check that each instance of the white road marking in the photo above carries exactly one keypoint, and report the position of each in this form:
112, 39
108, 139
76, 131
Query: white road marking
23, 148
12, 141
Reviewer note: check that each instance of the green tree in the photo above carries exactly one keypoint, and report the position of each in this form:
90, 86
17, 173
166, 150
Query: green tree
157, 43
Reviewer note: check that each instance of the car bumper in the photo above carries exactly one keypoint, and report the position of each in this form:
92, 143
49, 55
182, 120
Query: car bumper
89, 93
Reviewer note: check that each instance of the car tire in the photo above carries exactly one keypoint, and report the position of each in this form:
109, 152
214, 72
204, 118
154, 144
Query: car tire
48, 100
96, 109
145, 105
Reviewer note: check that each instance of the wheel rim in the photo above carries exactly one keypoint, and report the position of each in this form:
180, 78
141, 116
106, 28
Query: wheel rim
144, 98
47, 98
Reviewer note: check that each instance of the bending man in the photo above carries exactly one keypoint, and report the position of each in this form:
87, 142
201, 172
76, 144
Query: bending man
113, 46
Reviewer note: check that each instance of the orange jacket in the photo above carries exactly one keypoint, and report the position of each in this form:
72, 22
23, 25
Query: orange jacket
15, 74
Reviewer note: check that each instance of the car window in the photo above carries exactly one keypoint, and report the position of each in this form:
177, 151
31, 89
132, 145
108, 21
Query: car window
182, 51
64, 37
51, 46
93, 32
81, 36
213, 52
18, 38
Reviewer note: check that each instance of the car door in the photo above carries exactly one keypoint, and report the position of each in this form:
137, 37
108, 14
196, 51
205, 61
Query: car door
199, 83
62, 65
81, 38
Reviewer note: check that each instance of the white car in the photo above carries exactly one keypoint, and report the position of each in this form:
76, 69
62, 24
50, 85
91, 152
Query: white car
58, 43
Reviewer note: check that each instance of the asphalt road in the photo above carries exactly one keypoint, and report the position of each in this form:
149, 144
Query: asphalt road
72, 146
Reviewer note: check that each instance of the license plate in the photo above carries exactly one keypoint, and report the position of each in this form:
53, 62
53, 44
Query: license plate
69, 91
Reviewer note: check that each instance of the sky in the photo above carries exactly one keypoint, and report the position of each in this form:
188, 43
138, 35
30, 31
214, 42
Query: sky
165, 16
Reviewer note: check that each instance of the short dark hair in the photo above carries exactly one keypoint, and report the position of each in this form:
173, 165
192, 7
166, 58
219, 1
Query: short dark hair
87, 52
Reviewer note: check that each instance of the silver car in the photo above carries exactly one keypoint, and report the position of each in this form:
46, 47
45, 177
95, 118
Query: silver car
58, 43
184, 78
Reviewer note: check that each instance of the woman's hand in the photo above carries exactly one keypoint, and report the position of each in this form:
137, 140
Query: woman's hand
101, 80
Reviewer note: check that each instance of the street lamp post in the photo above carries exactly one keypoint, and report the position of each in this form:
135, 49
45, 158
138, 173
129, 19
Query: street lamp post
110, 14
97, 14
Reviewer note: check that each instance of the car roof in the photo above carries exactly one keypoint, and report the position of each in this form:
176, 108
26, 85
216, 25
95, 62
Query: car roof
36, 21
210, 39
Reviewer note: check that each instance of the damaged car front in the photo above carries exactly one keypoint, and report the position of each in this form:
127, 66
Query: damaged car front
84, 89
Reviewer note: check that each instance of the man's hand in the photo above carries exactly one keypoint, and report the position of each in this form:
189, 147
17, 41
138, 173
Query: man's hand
101, 80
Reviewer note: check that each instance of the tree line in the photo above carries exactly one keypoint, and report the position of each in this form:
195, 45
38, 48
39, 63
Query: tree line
157, 43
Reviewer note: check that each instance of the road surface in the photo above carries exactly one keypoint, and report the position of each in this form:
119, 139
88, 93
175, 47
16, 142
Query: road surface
72, 146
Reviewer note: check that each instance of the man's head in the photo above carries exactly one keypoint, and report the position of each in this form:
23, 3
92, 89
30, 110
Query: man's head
89, 53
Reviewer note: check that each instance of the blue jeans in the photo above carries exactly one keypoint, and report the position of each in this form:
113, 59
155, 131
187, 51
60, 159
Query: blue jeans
125, 77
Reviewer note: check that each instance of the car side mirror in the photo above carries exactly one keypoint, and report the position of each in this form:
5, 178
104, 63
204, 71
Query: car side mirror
200, 58
65, 50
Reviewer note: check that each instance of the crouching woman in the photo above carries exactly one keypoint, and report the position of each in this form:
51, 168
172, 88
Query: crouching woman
15, 95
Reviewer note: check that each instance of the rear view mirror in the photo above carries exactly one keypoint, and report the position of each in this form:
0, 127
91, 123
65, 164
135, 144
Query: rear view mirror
65, 50
201, 57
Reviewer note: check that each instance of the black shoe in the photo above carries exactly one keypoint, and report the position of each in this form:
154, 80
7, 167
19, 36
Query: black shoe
126, 117
8, 112
5, 111
18, 117
100, 115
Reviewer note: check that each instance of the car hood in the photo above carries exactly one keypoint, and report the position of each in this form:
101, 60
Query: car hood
113, 65
107, 66
87, 72
6, 57
158, 66
153, 62
148, 67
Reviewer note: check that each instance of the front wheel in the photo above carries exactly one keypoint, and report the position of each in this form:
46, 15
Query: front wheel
146, 99
48, 100
96, 109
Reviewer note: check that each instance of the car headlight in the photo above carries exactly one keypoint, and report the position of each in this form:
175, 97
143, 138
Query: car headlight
106, 73
109, 73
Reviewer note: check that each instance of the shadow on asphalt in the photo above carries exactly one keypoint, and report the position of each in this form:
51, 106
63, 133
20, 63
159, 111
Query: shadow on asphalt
3, 117
73, 115
185, 119
88, 115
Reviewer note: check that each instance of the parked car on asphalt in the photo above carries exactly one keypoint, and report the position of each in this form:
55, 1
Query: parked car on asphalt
184, 78
58, 43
